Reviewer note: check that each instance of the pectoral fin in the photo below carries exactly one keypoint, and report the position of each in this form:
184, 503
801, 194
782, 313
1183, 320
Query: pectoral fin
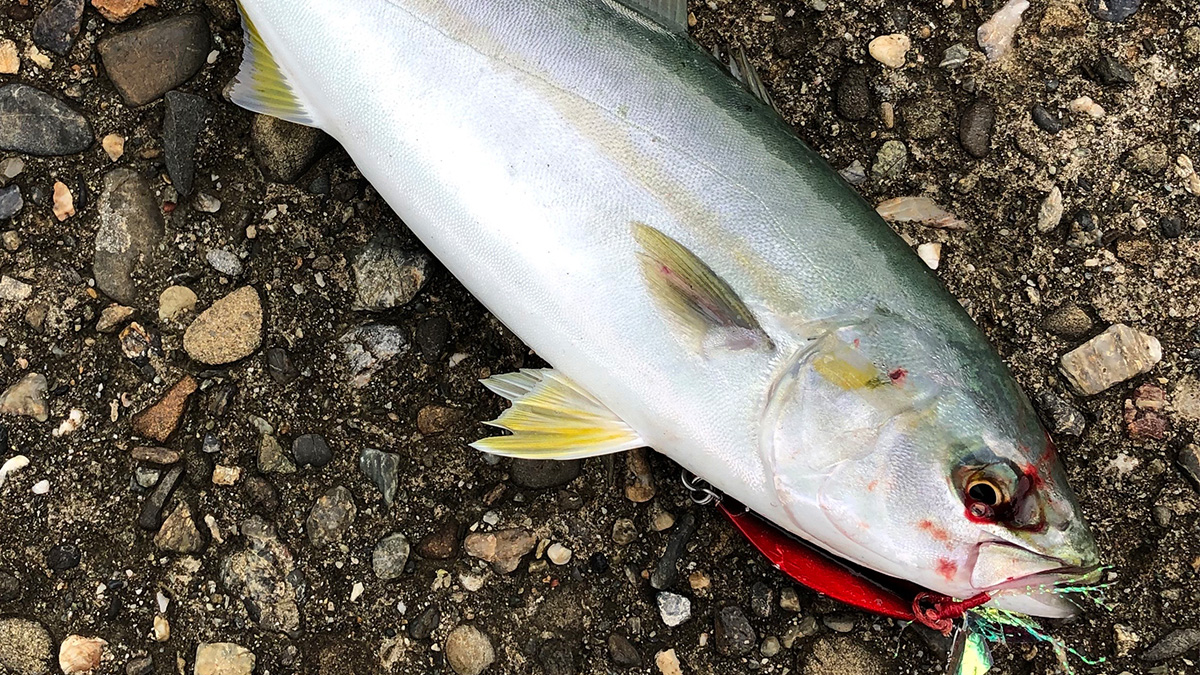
261, 85
553, 418
699, 301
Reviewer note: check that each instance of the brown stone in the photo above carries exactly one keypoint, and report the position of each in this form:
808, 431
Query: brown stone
228, 331
179, 533
442, 543
503, 549
145, 63
160, 420
434, 419
119, 10
163, 456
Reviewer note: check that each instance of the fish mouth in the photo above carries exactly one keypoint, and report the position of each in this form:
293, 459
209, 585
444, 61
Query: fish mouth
1024, 581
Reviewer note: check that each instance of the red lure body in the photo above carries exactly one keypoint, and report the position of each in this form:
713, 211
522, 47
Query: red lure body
826, 575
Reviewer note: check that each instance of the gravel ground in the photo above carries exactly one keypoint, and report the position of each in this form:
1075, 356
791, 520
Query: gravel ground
256, 389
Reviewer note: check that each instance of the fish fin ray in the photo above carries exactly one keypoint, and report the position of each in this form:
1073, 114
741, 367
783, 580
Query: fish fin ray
671, 14
693, 294
261, 85
745, 72
553, 418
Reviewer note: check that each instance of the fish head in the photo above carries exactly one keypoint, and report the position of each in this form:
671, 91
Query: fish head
891, 449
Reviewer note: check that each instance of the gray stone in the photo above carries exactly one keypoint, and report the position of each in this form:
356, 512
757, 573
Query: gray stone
383, 468
284, 150
622, 652
1189, 459
673, 608
311, 450
468, 650
36, 123
271, 457
421, 627
183, 119
1046, 120
1113, 11
539, 474
1151, 159
732, 632
1110, 72
131, 228
369, 348
150, 517
262, 575
147, 62
225, 262
1063, 417
25, 647
386, 275
11, 202
56, 27
891, 160
331, 517
280, 366
390, 556
975, 128
143, 665
855, 173
1176, 643
14, 290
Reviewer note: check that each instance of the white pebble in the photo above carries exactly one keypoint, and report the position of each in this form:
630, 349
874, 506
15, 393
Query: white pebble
41, 487
931, 254
558, 554
1086, 106
357, 591
15, 464
890, 50
996, 35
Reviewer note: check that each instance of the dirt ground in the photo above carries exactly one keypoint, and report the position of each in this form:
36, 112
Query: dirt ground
1120, 263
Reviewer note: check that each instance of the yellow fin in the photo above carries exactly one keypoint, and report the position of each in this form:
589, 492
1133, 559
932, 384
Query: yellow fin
553, 418
261, 85
692, 293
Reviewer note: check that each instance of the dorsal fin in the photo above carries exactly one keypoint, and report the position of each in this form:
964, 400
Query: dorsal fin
745, 72
699, 301
671, 14
261, 85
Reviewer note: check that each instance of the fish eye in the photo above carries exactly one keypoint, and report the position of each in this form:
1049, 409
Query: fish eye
983, 491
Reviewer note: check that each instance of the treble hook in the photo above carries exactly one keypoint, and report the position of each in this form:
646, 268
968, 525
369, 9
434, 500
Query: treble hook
702, 492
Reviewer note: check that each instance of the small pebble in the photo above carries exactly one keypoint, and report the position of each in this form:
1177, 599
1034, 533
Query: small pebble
1114, 356
1050, 212
890, 50
558, 554
78, 654
1045, 120
468, 650
673, 608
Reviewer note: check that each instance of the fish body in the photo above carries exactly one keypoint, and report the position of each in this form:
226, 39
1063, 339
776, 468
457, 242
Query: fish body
691, 270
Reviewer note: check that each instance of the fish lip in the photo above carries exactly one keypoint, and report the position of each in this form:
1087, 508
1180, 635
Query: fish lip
1083, 573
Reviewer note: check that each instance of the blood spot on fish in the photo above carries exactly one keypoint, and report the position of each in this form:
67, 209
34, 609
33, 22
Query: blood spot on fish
947, 568
935, 531
872, 485
897, 376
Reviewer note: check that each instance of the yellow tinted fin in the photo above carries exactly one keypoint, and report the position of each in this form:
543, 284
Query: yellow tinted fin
700, 301
552, 418
261, 85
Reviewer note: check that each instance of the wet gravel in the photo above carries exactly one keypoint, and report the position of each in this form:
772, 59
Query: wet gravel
308, 503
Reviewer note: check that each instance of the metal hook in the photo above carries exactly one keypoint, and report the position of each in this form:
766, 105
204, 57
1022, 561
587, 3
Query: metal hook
702, 492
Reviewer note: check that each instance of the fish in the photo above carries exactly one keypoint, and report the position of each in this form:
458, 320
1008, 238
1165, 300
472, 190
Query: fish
700, 281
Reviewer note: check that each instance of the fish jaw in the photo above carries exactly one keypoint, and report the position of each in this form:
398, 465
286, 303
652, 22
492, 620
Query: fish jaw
1020, 580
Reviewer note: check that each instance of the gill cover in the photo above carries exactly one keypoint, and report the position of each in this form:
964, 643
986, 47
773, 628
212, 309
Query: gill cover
852, 429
